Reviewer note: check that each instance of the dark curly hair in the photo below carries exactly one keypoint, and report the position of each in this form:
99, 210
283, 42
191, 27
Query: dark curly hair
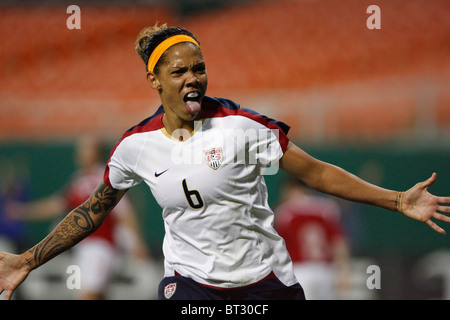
149, 38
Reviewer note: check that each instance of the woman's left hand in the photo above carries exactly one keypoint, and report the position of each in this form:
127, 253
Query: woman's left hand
419, 204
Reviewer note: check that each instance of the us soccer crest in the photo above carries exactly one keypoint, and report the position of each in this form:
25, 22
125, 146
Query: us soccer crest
169, 290
213, 157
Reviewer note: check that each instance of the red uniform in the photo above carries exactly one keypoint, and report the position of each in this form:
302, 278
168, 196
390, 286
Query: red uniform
309, 226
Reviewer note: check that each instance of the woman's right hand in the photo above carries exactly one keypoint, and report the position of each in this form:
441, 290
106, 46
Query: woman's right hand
13, 271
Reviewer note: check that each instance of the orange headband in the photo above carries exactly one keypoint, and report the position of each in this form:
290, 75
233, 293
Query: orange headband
166, 44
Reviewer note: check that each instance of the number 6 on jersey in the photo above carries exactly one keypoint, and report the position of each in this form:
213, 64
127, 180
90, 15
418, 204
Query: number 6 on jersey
190, 194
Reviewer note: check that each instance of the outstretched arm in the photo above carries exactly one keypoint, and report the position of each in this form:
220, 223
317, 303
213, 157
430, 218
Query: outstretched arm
76, 226
416, 203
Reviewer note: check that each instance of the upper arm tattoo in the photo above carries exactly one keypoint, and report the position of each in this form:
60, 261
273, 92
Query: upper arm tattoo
104, 199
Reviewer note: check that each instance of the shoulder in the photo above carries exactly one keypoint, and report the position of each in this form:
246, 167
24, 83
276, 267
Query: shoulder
127, 147
152, 123
149, 124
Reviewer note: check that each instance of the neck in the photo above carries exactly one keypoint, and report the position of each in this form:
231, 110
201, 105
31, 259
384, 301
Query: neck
178, 128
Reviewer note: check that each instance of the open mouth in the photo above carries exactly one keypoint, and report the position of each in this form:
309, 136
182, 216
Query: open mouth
192, 101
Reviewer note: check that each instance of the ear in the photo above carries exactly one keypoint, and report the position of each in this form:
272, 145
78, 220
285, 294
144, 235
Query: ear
153, 80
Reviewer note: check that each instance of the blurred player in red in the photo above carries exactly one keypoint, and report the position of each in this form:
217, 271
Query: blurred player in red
96, 254
311, 226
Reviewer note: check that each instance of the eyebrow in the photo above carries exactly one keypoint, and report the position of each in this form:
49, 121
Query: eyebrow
197, 65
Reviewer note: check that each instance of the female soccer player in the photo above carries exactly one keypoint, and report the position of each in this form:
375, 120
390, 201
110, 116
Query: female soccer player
203, 160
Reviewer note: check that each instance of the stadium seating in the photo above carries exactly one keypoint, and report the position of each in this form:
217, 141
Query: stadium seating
51, 75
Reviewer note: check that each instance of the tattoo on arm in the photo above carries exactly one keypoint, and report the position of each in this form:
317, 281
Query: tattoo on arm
106, 199
76, 226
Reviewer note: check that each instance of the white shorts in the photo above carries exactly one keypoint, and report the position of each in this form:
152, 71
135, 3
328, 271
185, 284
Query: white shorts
317, 280
96, 258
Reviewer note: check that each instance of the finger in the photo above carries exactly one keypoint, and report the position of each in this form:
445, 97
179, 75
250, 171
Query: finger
444, 209
435, 227
430, 180
441, 217
444, 200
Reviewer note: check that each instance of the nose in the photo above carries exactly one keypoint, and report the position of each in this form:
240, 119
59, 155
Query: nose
192, 79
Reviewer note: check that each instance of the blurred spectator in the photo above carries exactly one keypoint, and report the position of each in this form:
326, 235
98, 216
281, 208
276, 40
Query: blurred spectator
96, 254
14, 187
311, 227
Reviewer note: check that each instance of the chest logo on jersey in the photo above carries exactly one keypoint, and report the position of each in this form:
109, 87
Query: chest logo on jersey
213, 157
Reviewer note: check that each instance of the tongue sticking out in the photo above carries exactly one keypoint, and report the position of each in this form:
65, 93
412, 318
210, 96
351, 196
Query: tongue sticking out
193, 106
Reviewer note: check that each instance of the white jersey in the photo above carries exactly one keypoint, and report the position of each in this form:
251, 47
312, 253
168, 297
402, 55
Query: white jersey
218, 223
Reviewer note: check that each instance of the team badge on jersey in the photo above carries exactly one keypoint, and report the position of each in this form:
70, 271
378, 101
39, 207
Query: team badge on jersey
169, 290
213, 157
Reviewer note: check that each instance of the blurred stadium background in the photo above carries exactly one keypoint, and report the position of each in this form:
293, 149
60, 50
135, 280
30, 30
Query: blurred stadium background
376, 102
